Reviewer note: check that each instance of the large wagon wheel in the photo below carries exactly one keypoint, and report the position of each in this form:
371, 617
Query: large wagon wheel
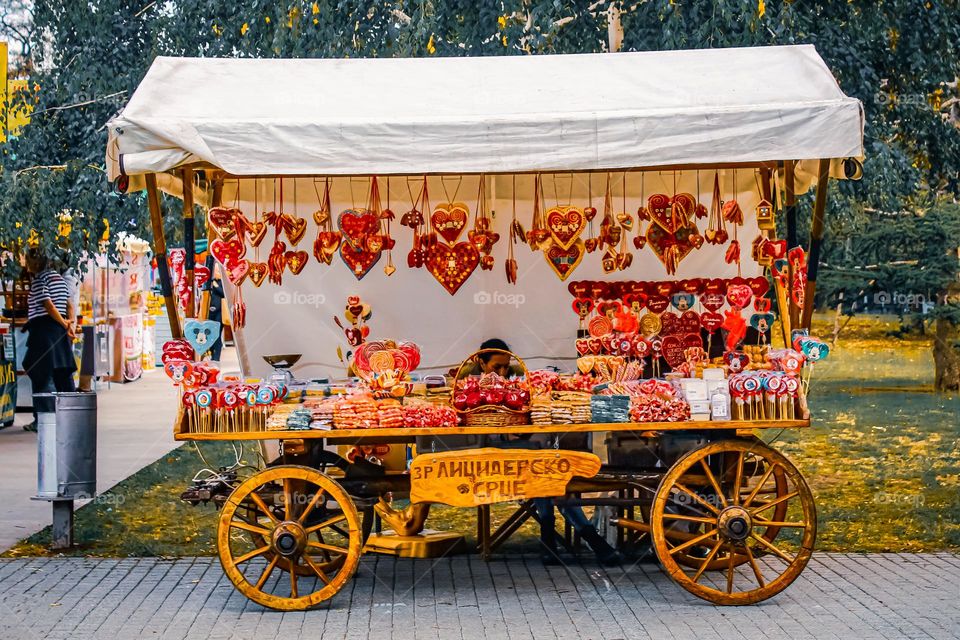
735, 523
755, 480
284, 508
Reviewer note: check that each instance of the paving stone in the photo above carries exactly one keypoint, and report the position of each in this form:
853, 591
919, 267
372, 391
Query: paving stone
838, 596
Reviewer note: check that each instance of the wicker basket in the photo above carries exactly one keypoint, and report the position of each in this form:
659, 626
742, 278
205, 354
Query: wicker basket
490, 415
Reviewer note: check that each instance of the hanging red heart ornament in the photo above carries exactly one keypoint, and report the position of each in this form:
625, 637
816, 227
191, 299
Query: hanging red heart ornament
690, 322
452, 265
564, 261
449, 220
256, 232
326, 245
739, 295
582, 306
565, 225
657, 303
712, 301
711, 321
672, 350
359, 261
237, 272
296, 261
669, 323
759, 285
356, 225
223, 220
228, 251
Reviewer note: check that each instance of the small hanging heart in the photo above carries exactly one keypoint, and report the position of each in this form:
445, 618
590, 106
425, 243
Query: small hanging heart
257, 272
256, 231
293, 228
625, 220
296, 261
565, 261
237, 272
449, 219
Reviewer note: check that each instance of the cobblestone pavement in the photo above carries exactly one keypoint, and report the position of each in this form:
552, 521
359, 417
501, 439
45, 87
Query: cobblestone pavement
841, 596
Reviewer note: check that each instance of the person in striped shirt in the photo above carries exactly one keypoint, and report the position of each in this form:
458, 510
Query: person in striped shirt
49, 360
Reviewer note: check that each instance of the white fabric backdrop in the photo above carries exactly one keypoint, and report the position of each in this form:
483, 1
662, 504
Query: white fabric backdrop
534, 317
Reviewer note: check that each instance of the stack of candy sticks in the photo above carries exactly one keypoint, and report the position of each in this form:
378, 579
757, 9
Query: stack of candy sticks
230, 408
764, 395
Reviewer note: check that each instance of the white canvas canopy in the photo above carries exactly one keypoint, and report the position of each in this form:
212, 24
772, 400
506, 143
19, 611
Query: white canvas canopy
722, 110
486, 115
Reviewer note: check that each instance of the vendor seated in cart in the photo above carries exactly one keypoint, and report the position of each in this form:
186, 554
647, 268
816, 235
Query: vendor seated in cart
500, 363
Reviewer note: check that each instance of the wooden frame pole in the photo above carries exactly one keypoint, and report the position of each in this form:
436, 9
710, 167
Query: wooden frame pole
189, 244
160, 253
215, 201
790, 213
816, 240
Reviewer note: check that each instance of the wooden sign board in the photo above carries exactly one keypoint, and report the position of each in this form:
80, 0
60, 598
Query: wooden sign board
485, 476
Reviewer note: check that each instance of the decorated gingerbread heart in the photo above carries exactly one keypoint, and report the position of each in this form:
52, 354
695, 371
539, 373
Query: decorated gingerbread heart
449, 220
257, 272
237, 272
227, 251
452, 265
565, 225
360, 261
296, 261
564, 261
356, 225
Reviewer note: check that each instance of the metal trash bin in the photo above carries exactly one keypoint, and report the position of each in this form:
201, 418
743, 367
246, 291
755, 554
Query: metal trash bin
67, 445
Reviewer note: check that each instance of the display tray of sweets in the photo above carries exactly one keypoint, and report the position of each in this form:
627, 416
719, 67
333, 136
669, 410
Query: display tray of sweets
560, 407
409, 433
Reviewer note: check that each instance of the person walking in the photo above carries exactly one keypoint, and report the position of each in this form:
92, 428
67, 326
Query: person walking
49, 360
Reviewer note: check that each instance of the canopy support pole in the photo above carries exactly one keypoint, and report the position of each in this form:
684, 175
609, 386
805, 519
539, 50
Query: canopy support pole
215, 201
790, 203
160, 252
188, 240
816, 240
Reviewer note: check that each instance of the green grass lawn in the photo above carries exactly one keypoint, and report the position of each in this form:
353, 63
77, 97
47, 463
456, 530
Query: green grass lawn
883, 459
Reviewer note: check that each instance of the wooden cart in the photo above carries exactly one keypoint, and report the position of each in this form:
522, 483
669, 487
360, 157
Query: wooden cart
730, 519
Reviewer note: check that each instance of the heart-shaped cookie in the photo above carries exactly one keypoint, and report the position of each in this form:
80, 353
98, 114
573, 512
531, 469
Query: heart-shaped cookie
326, 245
359, 261
201, 334
711, 321
356, 225
256, 232
451, 265
712, 301
690, 322
759, 285
449, 220
237, 272
257, 272
296, 261
293, 227
565, 225
223, 220
227, 251
564, 261
672, 350
739, 295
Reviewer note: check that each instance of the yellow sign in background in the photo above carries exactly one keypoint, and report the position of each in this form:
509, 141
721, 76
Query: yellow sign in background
14, 119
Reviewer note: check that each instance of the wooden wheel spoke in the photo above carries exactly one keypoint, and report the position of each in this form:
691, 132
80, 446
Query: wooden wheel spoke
693, 541
257, 500
738, 479
293, 579
267, 571
713, 481
316, 569
680, 516
767, 505
328, 547
287, 499
730, 566
707, 560
755, 566
313, 502
329, 522
680, 487
246, 526
774, 523
252, 554
756, 490
773, 548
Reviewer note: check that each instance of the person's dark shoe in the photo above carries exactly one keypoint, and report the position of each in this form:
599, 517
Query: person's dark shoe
606, 555
32, 427
549, 549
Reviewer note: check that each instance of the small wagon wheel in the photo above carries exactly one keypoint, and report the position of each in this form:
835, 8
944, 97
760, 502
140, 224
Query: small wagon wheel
734, 522
755, 481
285, 508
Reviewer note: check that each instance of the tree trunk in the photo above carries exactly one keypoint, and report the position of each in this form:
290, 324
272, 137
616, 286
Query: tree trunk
946, 356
